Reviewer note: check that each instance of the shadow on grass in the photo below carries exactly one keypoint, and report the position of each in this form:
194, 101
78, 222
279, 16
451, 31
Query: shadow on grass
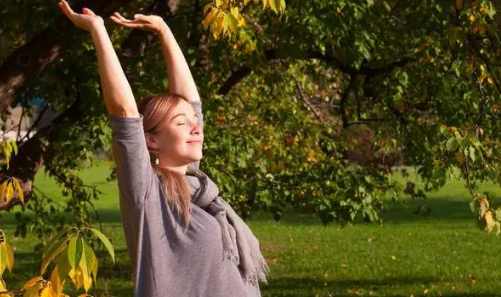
395, 212
302, 287
441, 208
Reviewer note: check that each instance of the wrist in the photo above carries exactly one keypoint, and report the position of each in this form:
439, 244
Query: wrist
163, 28
98, 28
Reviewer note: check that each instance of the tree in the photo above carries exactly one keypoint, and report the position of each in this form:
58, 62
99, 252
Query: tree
290, 96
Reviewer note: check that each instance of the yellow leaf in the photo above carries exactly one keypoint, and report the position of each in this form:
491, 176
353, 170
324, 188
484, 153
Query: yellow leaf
86, 279
57, 282
10, 256
32, 291
19, 189
489, 220
484, 206
76, 277
3, 287
207, 7
209, 19
3, 187
225, 24
46, 291
241, 22
32, 282
9, 191
282, 5
273, 5
217, 23
87, 282
224, 4
232, 23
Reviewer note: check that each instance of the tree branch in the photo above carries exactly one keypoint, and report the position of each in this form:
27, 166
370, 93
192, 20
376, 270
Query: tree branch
24, 65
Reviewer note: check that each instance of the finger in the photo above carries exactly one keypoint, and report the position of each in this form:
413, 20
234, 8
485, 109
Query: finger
120, 17
88, 11
118, 21
126, 23
66, 9
139, 16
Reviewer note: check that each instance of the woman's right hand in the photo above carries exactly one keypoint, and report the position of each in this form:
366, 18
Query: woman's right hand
88, 20
152, 23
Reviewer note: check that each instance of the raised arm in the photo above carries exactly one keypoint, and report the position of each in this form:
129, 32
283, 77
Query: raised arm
179, 74
135, 174
117, 92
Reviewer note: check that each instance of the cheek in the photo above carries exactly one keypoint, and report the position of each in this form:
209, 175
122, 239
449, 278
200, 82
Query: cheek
172, 143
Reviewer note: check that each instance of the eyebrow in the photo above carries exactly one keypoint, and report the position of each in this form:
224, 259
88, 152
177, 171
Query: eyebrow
182, 114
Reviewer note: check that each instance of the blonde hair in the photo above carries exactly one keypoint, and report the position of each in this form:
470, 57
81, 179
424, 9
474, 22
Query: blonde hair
156, 109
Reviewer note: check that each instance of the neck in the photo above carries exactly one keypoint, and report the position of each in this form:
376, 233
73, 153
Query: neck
179, 169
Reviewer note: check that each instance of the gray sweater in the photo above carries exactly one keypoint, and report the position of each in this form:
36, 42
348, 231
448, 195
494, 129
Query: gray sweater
152, 231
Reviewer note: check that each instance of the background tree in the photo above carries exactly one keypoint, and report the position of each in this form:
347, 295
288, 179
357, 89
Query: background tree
293, 98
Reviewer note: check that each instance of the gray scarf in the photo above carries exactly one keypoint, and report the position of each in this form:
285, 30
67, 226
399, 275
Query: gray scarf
239, 244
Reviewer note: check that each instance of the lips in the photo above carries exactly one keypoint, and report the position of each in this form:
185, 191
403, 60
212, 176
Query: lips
194, 141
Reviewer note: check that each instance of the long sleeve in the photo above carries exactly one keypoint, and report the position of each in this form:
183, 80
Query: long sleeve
135, 174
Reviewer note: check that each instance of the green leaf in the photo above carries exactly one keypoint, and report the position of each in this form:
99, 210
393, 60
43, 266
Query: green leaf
94, 268
56, 248
75, 250
14, 146
3, 259
105, 241
89, 255
53, 240
63, 265
452, 144
472, 153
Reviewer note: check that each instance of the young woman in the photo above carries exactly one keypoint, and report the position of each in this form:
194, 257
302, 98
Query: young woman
184, 240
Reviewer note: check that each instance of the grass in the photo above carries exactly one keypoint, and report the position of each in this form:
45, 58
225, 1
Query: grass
443, 254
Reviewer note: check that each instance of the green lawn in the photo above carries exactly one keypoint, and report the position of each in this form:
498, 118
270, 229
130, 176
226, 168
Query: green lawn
443, 254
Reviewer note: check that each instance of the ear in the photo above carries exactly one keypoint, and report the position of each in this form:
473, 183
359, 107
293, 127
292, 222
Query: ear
152, 141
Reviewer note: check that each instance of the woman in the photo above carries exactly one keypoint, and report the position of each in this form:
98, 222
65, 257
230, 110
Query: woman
183, 239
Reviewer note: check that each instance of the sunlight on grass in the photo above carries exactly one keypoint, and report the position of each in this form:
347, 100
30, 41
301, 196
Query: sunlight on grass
441, 254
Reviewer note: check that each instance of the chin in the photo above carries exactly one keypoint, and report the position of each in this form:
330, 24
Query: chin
195, 157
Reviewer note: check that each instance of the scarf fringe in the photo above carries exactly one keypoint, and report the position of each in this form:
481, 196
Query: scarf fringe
258, 274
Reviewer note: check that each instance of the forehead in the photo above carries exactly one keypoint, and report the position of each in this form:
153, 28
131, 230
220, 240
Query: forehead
183, 107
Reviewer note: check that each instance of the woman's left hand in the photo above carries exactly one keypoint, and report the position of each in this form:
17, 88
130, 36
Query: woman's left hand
152, 23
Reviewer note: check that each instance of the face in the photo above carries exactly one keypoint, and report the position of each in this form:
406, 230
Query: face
180, 139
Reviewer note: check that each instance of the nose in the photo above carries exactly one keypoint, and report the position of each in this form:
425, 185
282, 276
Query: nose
195, 128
